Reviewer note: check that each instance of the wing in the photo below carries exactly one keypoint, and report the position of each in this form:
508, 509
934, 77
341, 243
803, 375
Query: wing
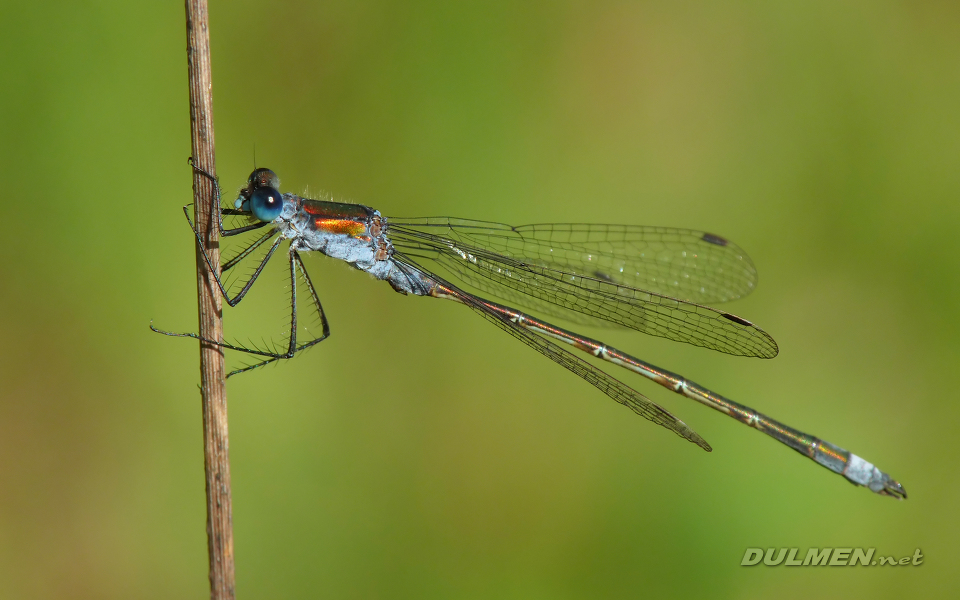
681, 263
575, 270
607, 384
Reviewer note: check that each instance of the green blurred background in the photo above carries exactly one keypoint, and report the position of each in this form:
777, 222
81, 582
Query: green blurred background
420, 452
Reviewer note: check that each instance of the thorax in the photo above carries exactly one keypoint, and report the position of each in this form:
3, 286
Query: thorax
349, 232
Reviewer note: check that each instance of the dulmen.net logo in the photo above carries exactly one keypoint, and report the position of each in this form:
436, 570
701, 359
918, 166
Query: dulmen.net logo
826, 557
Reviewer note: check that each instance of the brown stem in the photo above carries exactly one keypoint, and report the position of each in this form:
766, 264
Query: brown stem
216, 445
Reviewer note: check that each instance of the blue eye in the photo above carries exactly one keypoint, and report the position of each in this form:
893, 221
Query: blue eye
266, 203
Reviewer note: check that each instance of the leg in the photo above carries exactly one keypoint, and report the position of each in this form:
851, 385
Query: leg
292, 347
295, 263
216, 206
217, 272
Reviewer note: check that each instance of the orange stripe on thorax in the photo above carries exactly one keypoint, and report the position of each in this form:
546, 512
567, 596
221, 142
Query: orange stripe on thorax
342, 226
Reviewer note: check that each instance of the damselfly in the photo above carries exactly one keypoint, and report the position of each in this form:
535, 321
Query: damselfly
656, 280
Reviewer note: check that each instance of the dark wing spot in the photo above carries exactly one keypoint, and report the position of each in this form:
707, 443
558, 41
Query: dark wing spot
737, 319
714, 239
602, 275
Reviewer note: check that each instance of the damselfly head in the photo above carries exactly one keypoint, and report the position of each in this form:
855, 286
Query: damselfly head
261, 195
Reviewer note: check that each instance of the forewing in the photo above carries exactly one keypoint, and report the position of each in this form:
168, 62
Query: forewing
500, 270
687, 264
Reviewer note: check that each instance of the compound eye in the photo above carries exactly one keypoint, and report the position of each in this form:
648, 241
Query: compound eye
263, 178
266, 203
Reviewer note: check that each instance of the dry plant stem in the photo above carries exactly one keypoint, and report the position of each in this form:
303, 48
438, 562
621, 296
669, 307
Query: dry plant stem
213, 391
